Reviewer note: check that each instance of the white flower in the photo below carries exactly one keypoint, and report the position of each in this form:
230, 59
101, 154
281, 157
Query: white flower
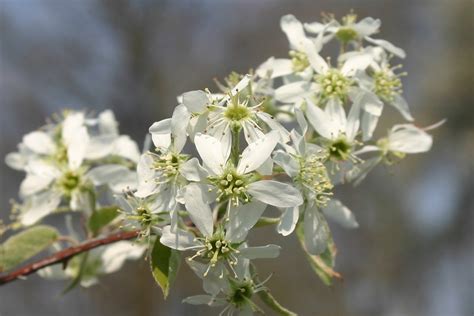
220, 245
235, 293
328, 82
57, 166
337, 130
237, 183
350, 30
402, 139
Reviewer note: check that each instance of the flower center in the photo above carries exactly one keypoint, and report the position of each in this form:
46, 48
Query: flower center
231, 186
237, 113
340, 149
216, 248
314, 177
168, 165
346, 34
69, 181
387, 85
241, 292
333, 84
299, 60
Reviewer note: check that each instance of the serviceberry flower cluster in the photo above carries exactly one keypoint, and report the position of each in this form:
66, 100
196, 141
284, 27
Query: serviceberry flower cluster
282, 137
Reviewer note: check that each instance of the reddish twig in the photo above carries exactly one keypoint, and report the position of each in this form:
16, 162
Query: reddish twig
65, 255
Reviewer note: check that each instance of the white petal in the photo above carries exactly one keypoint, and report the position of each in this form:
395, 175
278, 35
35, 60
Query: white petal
314, 27
100, 146
370, 102
115, 255
223, 134
367, 26
360, 171
317, 62
211, 151
369, 123
76, 147
337, 116
288, 221
107, 123
39, 206
275, 126
192, 170
127, 148
294, 31
16, 161
179, 125
356, 62
316, 231
266, 169
257, 152
161, 133
274, 68
242, 84
145, 176
301, 121
294, 91
409, 139
339, 213
34, 183
268, 251
242, 219
389, 47
287, 162
251, 133
197, 205
107, 174
39, 142
353, 122
212, 283
275, 193
70, 126
179, 240
401, 105
319, 120
199, 299
195, 101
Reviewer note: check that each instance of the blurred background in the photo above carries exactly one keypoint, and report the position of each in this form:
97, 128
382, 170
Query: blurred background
413, 253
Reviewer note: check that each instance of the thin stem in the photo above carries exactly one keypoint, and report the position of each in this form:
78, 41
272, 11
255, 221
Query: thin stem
64, 255
235, 149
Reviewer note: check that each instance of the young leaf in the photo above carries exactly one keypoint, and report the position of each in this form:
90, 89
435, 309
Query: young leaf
25, 245
323, 264
101, 218
164, 265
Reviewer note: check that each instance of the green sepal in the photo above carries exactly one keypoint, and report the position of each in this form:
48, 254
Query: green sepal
25, 245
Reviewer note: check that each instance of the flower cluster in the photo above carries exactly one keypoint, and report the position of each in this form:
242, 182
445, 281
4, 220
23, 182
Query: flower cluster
281, 137
67, 159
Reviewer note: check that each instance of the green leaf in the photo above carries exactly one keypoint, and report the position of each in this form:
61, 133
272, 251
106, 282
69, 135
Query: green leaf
164, 265
323, 264
25, 245
101, 218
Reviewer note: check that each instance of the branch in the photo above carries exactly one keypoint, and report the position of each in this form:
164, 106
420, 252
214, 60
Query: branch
65, 255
